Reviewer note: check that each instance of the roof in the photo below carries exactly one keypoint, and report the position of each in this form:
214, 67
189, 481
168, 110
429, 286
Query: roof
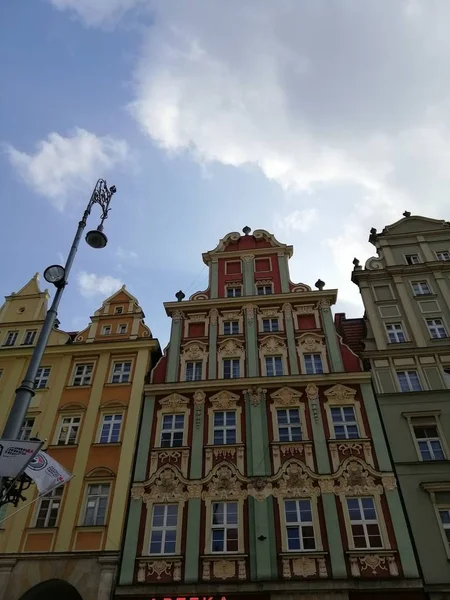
352, 331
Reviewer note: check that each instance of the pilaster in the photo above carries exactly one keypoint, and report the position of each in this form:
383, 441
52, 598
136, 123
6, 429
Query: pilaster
248, 263
6, 569
404, 545
251, 340
212, 350
290, 336
173, 360
284, 272
108, 571
214, 278
373, 315
334, 351
409, 312
376, 429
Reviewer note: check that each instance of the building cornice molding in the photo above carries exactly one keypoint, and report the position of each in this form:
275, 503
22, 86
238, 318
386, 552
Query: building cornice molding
90, 349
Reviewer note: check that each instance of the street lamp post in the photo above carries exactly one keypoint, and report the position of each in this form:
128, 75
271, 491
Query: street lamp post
59, 276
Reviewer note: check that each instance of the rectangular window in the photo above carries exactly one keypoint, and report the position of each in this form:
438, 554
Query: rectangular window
299, 525
121, 329
42, 376
11, 338
274, 365
421, 288
26, 429
118, 310
68, 431
231, 368
234, 292
163, 535
83, 374
313, 363
409, 381
96, 504
224, 429
48, 509
121, 372
443, 255
194, 370
231, 327
172, 431
364, 523
264, 290
110, 431
106, 330
344, 422
444, 515
270, 325
395, 333
427, 438
29, 338
412, 259
289, 425
224, 526
436, 328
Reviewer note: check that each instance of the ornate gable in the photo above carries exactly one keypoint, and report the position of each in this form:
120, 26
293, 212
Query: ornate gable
340, 394
224, 400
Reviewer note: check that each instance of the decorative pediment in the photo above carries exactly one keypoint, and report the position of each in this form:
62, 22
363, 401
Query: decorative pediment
356, 477
310, 342
225, 483
224, 400
113, 404
273, 345
296, 481
166, 485
300, 287
73, 406
267, 313
174, 402
229, 315
194, 351
231, 347
286, 396
340, 394
100, 473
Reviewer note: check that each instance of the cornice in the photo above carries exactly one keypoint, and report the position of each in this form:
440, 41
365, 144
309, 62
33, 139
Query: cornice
284, 250
407, 352
427, 267
329, 379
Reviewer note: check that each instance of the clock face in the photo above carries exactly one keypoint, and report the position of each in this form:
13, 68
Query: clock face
54, 274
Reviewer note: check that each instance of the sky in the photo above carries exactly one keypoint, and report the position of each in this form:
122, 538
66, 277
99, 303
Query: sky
315, 120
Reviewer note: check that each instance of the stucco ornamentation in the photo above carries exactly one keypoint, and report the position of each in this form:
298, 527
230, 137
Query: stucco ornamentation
304, 567
224, 485
322, 567
307, 309
141, 572
199, 401
206, 571
250, 310
159, 567
295, 482
287, 309
194, 351
269, 312
286, 568
224, 569
326, 486
174, 402
310, 343
231, 348
259, 488
286, 396
273, 345
248, 258
213, 316
389, 483
392, 565
224, 400
177, 316
340, 394
137, 491
300, 287
356, 480
197, 318
230, 315
255, 395
194, 490
373, 562
324, 305
166, 487
242, 571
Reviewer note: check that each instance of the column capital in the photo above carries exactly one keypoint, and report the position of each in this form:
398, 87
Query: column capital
247, 258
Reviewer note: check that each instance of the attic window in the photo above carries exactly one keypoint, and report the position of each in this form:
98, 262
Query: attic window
118, 310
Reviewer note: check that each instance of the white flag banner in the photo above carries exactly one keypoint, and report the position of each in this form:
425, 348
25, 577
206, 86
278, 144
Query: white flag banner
46, 472
15, 455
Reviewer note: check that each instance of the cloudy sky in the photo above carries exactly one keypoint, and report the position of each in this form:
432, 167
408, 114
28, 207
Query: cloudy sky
316, 120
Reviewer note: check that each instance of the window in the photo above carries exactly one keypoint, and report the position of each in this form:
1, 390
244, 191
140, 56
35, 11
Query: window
443, 255
234, 292
42, 376
118, 310
224, 427
30, 335
436, 328
270, 325
121, 372
274, 365
428, 440
344, 422
11, 338
313, 363
26, 429
420, 288
412, 259
172, 431
230, 327
447, 376
163, 536
83, 374
194, 370
110, 431
106, 330
409, 381
121, 329
364, 523
289, 425
395, 333
96, 504
48, 509
225, 533
264, 290
68, 431
299, 525
444, 515
231, 368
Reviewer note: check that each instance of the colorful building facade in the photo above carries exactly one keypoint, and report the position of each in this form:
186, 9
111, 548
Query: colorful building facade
87, 408
406, 294
261, 467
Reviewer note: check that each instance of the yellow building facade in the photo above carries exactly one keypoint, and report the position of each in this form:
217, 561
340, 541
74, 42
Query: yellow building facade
87, 410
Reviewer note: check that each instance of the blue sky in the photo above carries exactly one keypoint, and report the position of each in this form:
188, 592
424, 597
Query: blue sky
315, 121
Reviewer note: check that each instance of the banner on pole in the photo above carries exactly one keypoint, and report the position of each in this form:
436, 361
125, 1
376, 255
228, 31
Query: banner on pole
46, 472
15, 455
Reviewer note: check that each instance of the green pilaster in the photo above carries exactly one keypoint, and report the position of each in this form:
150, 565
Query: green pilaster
212, 355
320, 443
134, 513
337, 558
284, 272
251, 341
214, 278
334, 352
248, 263
174, 347
405, 549
258, 459
376, 429
292, 351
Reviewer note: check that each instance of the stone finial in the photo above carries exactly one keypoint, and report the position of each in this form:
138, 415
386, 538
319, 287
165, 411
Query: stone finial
180, 296
406, 213
355, 263
246, 230
320, 284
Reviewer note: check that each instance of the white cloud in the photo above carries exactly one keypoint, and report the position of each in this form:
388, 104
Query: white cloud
61, 165
90, 284
126, 255
298, 220
97, 12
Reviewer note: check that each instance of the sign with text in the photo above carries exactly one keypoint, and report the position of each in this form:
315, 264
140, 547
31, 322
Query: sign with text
15, 456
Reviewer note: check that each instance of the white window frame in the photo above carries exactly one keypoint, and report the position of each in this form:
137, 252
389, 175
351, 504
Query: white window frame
84, 376
121, 326
68, 421
408, 372
106, 330
225, 526
272, 358
198, 364
104, 423
27, 428
46, 503
41, 381
442, 252
96, 498
345, 423
446, 375
234, 288
265, 286
232, 362
413, 262
397, 330
271, 321
26, 341
224, 429
299, 524
231, 324
365, 522
434, 325
289, 425
11, 335
314, 370
121, 372
164, 528
172, 430
440, 508
421, 286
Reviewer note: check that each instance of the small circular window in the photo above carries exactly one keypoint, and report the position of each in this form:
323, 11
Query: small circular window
22, 309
